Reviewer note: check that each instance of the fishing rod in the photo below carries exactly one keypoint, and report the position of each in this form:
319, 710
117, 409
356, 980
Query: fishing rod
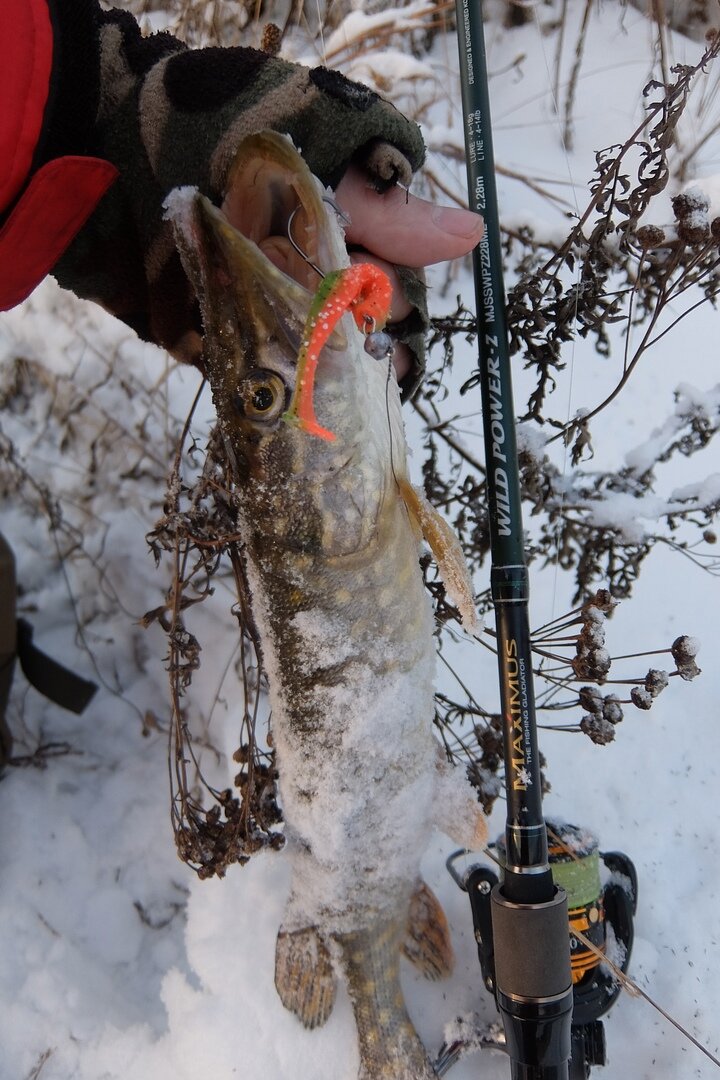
550, 1006
528, 924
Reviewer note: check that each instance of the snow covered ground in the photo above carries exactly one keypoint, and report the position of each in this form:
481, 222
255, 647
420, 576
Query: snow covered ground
117, 963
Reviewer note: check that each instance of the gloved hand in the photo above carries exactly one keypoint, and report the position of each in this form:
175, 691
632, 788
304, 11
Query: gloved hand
170, 116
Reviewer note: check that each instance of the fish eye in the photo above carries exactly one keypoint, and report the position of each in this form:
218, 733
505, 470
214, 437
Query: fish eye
261, 396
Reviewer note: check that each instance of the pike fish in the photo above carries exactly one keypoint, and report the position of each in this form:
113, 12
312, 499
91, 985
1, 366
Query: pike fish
331, 531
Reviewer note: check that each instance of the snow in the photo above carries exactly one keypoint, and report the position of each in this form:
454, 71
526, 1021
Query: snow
690, 401
118, 963
178, 206
691, 646
358, 25
389, 68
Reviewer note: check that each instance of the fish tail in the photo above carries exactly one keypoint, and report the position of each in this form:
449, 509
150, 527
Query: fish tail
390, 1048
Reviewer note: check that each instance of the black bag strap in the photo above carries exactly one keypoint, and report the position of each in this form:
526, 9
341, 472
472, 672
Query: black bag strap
66, 689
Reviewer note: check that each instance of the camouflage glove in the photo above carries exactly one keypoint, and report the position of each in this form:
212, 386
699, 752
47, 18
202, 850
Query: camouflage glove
170, 116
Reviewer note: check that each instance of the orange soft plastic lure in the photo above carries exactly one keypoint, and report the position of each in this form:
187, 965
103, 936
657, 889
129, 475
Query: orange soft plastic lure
365, 291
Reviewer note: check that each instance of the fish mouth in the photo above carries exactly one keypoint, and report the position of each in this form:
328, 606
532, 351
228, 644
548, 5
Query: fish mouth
253, 285
273, 200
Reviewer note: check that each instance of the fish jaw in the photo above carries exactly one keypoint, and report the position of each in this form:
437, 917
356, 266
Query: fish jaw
254, 315
324, 497
253, 318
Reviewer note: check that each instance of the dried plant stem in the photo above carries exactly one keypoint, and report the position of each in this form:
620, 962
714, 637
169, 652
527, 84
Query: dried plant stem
532, 183
574, 75
559, 45
34, 1073
659, 15
670, 291
676, 94
439, 429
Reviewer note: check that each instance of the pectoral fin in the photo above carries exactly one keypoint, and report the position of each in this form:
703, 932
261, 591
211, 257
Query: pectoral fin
446, 549
304, 975
427, 942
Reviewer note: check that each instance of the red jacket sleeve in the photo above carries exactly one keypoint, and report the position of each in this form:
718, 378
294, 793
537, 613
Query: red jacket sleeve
49, 182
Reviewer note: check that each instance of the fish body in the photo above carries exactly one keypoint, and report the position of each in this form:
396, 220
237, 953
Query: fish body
344, 619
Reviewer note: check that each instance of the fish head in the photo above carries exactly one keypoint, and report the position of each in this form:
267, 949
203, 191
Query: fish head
319, 494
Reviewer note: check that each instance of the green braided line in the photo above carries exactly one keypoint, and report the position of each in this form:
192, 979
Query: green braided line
580, 878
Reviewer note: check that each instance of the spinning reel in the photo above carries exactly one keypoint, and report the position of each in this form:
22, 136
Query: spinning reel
602, 913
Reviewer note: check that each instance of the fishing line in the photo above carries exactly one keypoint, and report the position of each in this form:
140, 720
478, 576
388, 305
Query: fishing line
389, 421
557, 123
634, 990
322, 34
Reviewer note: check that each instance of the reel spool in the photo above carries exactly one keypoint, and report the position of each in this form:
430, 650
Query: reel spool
605, 916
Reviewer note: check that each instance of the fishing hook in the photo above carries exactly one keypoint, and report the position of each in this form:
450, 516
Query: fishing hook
340, 213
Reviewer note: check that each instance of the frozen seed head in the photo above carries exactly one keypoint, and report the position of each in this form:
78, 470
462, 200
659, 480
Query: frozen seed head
650, 236
691, 213
690, 201
594, 616
592, 660
612, 709
603, 601
598, 729
694, 231
709, 535
591, 664
640, 698
608, 708
684, 650
656, 681
591, 700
